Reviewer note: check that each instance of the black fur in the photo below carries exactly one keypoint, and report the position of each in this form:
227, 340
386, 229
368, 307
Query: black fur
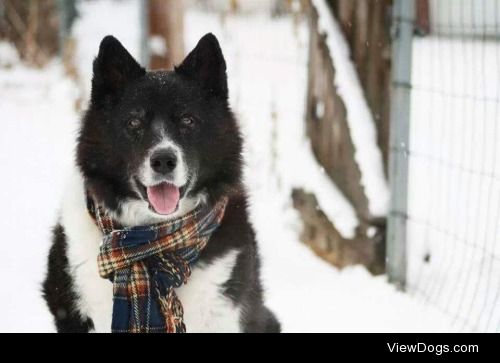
110, 151
58, 289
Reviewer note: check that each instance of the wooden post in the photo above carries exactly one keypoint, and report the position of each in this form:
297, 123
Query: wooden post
166, 33
423, 20
345, 14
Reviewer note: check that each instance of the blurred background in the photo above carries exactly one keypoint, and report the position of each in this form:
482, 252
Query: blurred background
371, 147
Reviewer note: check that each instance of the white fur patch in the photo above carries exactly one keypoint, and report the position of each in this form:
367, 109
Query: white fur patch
83, 239
206, 308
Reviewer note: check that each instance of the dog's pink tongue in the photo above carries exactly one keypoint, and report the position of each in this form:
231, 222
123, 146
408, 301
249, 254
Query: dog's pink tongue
163, 197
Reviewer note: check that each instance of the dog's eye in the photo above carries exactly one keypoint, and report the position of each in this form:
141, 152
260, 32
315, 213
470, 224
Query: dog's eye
134, 124
187, 121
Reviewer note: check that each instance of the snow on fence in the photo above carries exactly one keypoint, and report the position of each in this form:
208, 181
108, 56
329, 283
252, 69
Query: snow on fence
444, 223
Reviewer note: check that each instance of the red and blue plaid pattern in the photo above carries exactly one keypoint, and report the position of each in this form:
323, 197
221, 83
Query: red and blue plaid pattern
146, 264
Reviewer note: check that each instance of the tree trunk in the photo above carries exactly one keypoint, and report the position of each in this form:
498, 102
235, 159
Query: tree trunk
166, 31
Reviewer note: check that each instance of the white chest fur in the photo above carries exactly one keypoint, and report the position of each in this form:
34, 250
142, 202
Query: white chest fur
206, 309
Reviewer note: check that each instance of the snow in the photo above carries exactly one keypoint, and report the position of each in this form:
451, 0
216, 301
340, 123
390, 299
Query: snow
38, 119
98, 19
319, 109
359, 118
266, 59
8, 55
157, 45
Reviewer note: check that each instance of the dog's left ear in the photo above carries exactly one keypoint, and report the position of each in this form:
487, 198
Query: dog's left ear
206, 65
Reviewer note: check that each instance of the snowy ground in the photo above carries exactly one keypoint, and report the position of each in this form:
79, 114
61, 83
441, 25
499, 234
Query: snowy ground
38, 119
267, 72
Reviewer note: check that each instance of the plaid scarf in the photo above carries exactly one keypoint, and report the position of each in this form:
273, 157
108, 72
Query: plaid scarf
146, 264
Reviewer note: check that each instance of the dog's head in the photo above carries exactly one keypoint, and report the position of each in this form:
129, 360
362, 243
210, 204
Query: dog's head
155, 144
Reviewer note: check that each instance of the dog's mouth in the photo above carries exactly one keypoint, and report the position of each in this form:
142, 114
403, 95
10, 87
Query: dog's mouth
163, 198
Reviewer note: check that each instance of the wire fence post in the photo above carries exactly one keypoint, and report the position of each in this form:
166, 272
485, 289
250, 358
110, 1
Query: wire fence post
402, 33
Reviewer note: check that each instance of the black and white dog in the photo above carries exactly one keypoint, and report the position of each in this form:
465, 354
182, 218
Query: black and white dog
152, 147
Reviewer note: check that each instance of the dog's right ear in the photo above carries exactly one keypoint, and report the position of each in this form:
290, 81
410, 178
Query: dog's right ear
114, 67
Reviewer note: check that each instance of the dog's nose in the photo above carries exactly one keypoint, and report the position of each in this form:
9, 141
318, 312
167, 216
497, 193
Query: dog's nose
163, 161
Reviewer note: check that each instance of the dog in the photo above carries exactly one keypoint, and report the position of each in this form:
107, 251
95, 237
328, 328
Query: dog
152, 147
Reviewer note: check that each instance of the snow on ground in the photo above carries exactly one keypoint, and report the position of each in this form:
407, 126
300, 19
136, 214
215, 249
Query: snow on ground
267, 71
37, 118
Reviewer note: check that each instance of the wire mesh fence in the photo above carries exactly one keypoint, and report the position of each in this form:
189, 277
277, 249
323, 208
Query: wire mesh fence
444, 223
